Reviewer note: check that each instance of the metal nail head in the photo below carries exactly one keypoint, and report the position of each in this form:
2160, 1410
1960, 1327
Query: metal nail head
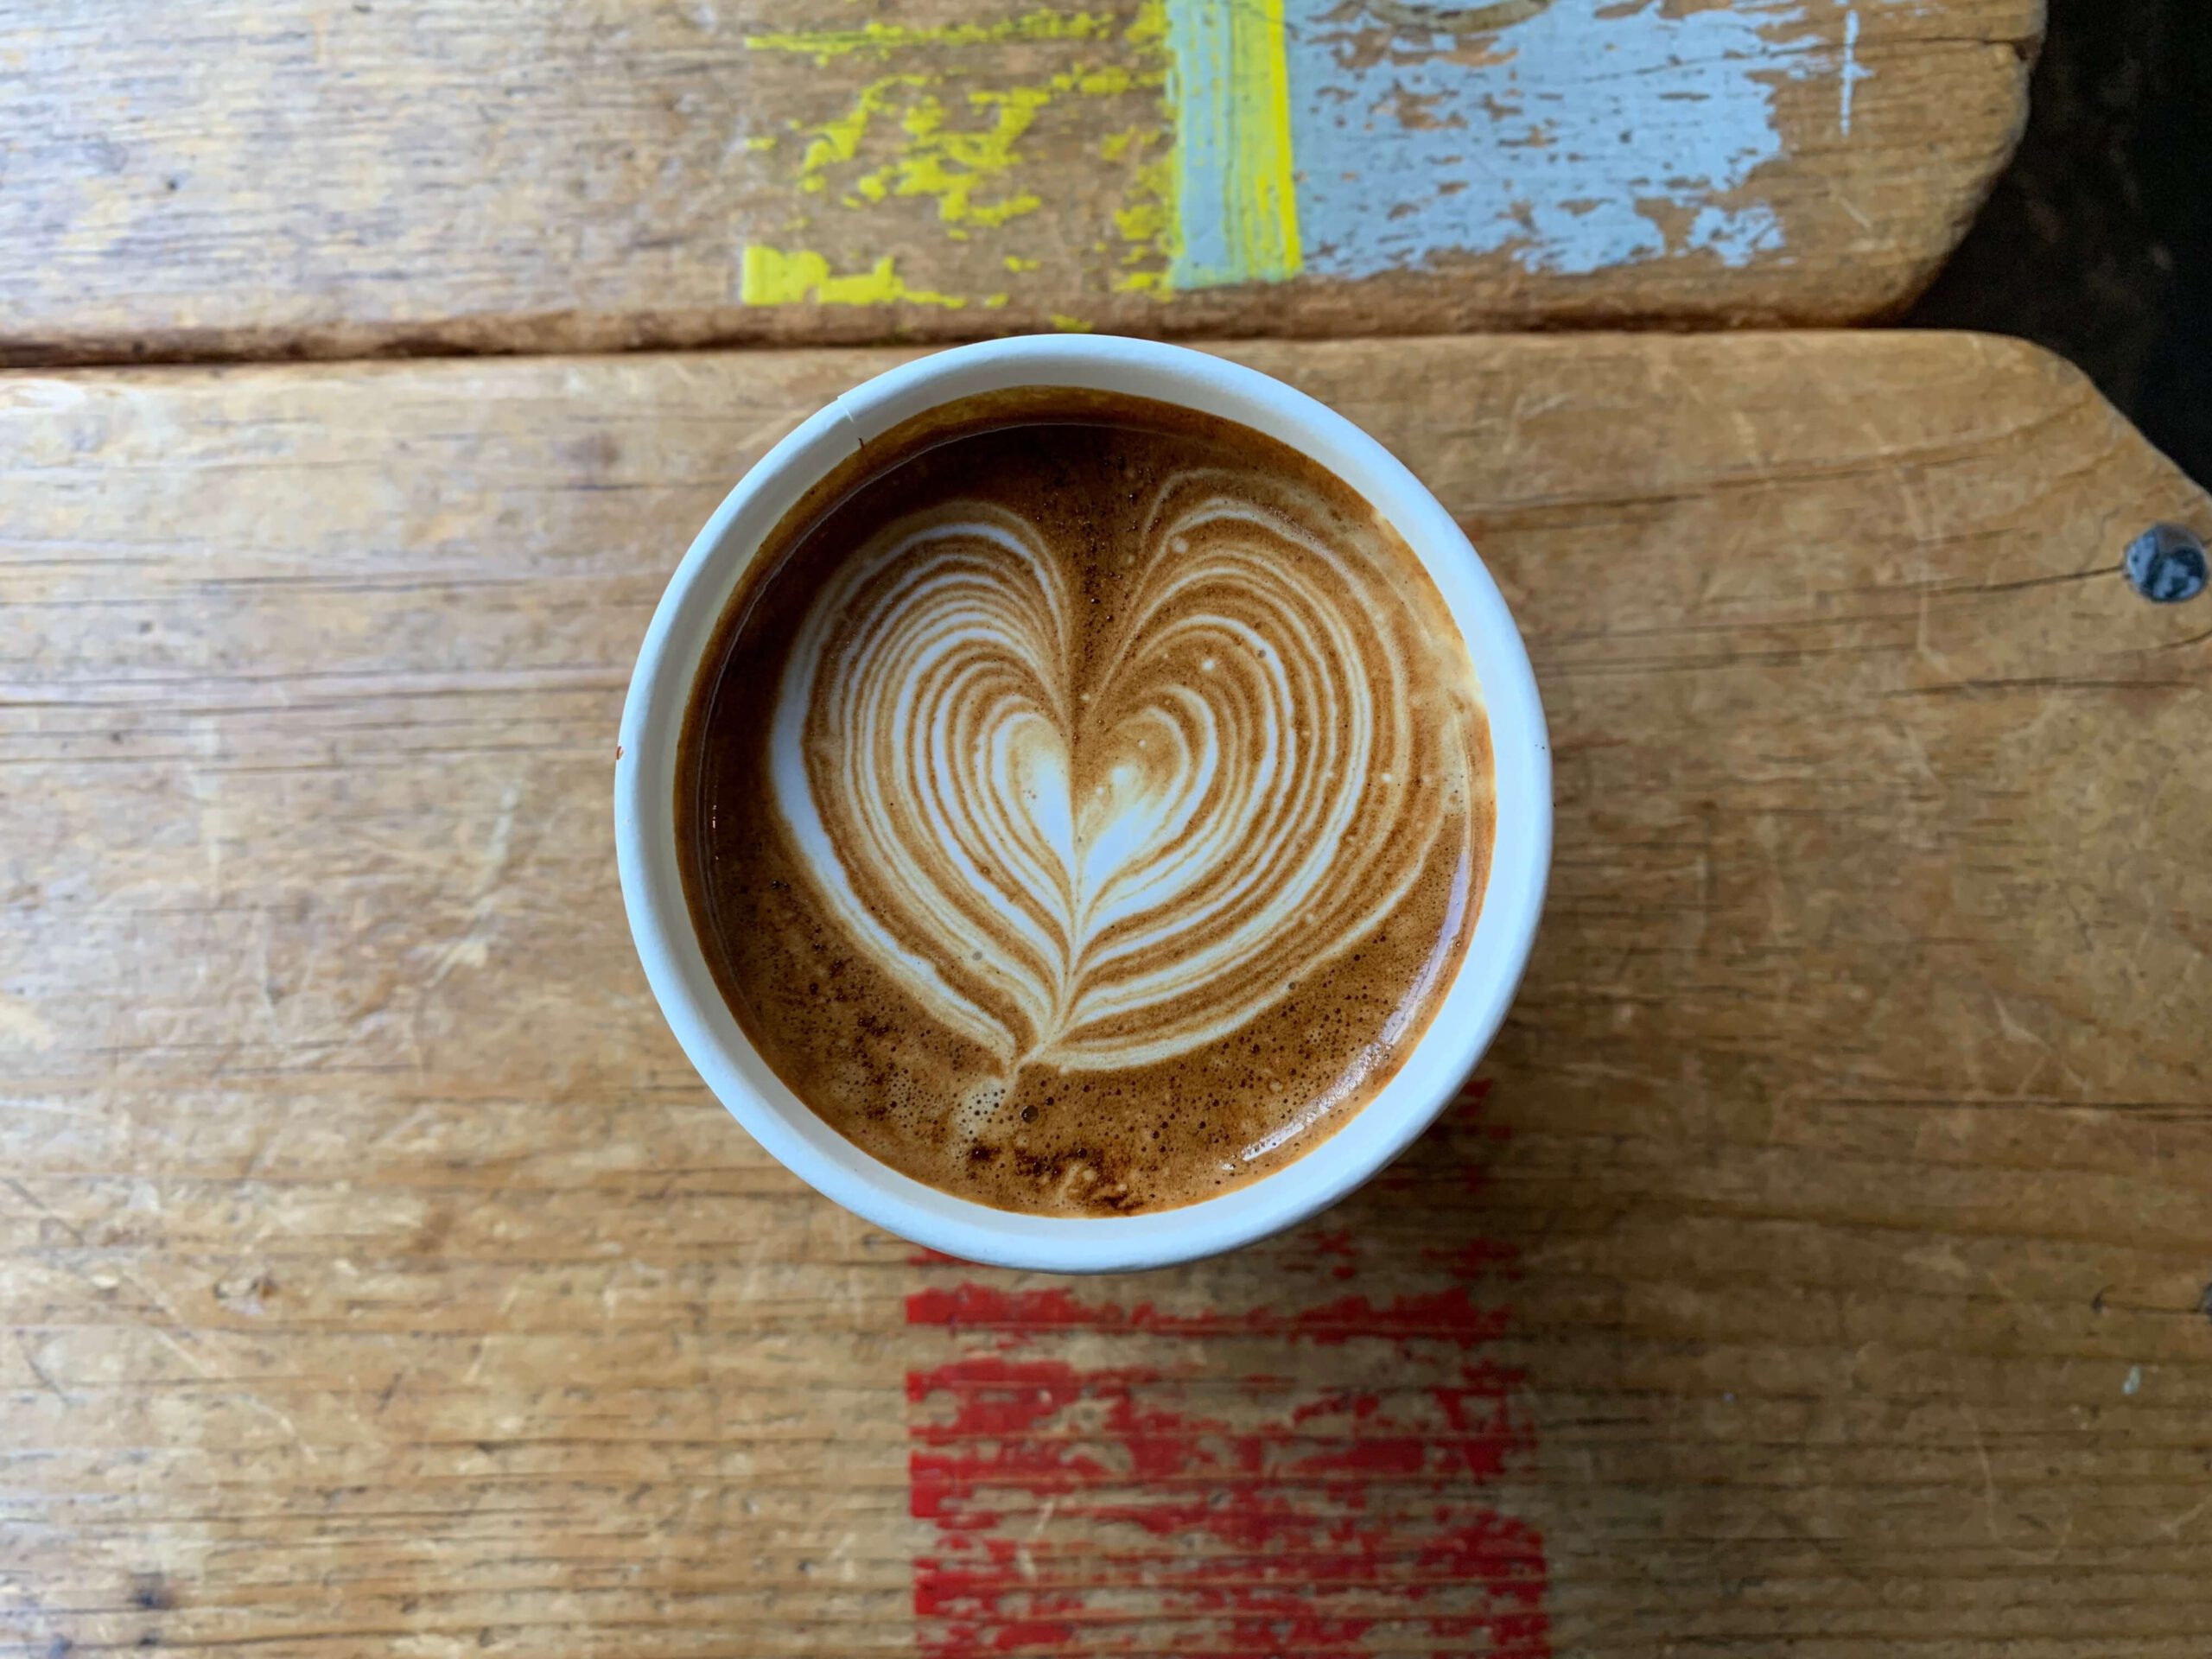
2166, 564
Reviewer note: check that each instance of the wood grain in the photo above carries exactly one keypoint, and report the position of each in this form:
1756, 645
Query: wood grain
250, 178
1822, 1266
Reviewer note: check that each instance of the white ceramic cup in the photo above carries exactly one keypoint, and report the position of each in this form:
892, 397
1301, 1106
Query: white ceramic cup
652, 889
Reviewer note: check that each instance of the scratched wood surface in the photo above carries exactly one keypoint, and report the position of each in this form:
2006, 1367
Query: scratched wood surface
329, 178
1820, 1262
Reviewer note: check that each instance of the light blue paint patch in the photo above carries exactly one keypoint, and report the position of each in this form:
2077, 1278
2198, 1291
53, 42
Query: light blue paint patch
1575, 142
1853, 74
1205, 138
1736, 233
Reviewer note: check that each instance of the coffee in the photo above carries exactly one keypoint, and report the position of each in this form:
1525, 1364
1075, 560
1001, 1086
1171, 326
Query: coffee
1085, 803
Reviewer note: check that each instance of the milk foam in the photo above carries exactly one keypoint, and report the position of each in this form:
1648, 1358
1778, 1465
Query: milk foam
1103, 841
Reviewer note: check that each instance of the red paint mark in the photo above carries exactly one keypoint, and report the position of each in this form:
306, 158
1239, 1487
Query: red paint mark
922, 1256
1314, 1473
1444, 1316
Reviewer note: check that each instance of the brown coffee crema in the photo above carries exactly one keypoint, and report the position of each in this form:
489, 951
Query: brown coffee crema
1084, 803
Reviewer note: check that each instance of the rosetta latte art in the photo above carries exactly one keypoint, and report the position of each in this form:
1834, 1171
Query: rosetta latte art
1098, 830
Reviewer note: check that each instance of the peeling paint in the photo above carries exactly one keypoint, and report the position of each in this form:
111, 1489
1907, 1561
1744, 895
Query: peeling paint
923, 132
1553, 140
824, 46
773, 277
1343, 138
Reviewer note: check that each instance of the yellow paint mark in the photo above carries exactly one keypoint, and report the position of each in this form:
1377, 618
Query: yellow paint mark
909, 136
955, 166
949, 164
771, 277
761, 142
883, 39
1146, 219
1106, 82
1275, 186
994, 301
1068, 325
838, 139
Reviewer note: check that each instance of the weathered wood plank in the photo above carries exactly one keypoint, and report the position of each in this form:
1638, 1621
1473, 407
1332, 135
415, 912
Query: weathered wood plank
257, 177
1822, 1266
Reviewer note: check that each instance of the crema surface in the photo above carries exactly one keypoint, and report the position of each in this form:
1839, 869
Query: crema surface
1085, 803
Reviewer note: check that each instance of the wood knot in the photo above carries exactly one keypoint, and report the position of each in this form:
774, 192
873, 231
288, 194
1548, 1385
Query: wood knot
150, 1592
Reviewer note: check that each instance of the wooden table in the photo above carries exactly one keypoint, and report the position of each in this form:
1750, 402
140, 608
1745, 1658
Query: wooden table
1818, 1266
337, 178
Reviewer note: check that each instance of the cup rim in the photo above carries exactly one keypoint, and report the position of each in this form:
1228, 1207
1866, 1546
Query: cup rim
1465, 1021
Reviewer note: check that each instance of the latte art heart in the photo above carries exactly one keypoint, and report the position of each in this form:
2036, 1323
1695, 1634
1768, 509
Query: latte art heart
1101, 824
1084, 804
